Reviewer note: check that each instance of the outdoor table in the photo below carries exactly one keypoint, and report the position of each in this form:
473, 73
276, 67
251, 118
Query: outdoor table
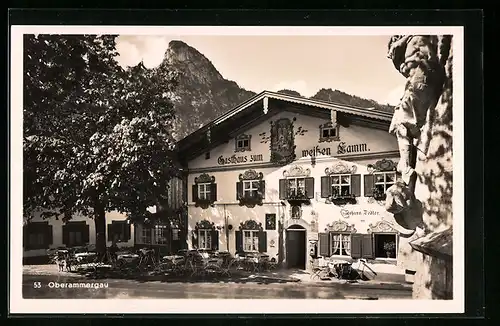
128, 257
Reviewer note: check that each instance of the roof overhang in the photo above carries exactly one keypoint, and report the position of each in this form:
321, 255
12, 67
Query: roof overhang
252, 112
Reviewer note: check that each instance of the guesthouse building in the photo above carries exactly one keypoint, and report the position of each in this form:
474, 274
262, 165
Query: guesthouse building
293, 178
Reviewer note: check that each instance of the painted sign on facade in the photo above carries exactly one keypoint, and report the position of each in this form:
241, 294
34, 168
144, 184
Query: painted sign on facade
346, 213
344, 148
233, 159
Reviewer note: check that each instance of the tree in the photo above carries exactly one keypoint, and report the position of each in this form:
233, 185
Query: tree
96, 136
289, 92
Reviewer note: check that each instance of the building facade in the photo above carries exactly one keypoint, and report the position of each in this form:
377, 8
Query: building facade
279, 174
292, 177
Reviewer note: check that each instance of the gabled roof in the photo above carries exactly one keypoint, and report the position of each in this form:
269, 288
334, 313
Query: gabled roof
369, 113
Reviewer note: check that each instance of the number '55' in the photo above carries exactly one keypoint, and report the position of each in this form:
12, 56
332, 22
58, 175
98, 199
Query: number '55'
37, 285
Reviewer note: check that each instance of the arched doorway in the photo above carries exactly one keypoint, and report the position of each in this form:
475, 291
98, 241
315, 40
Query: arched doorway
296, 246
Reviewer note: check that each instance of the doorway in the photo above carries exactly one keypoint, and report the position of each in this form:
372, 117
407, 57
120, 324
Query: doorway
296, 247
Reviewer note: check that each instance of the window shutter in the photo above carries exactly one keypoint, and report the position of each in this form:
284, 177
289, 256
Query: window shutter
282, 189
127, 230
356, 242
213, 192
65, 231
262, 241
326, 187
50, 239
215, 239
239, 241
137, 232
369, 184
239, 190
194, 239
195, 193
356, 185
263, 188
367, 246
309, 187
324, 244
86, 233
110, 232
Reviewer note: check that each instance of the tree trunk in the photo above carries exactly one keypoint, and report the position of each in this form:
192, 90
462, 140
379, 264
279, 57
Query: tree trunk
100, 228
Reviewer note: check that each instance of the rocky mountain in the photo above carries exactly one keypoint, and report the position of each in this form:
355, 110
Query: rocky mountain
204, 94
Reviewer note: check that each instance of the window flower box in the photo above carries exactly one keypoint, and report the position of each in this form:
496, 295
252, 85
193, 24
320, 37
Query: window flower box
378, 194
343, 199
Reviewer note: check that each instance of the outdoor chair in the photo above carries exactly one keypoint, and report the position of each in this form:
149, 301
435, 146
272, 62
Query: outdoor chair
319, 271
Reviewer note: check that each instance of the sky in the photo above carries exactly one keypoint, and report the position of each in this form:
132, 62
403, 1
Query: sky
357, 65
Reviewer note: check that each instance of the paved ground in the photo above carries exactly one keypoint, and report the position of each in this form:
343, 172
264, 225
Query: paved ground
40, 282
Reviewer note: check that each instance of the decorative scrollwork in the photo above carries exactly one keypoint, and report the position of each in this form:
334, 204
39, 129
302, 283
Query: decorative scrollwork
381, 227
296, 171
382, 166
251, 225
204, 224
251, 175
341, 168
204, 178
340, 226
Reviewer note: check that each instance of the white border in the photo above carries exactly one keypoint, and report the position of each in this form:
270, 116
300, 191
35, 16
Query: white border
41, 306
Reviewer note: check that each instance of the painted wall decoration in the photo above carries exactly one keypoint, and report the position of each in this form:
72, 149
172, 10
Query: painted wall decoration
282, 141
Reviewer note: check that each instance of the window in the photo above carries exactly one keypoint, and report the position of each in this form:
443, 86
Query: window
296, 187
341, 185
383, 180
75, 233
119, 231
37, 235
204, 191
251, 188
160, 236
341, 244
329, 132
146, 235
385, 245
75, 238
242, 143
36, 240
204, 239
175, 234
250, 240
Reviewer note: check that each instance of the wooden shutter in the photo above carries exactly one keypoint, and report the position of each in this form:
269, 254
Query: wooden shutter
85, 233
195, 193
49, 232
369, 180
282, 189
309, 187
239, 241
262, 241
263, 188
126, 228
110, 232
356, 185
65, 232
194, 239
356, 243
324, 244
367, 246
213, 192
326, 187
214, 236
239, 190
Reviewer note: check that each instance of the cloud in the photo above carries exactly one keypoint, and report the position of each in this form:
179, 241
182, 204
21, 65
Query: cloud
148, 49
298, 86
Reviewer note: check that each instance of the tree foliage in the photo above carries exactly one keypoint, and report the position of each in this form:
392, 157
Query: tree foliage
96, 136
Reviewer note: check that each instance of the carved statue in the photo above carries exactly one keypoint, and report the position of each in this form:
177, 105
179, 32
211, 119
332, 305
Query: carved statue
415, 57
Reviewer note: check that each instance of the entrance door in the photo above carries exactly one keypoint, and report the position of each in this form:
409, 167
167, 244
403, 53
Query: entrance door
296, 247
